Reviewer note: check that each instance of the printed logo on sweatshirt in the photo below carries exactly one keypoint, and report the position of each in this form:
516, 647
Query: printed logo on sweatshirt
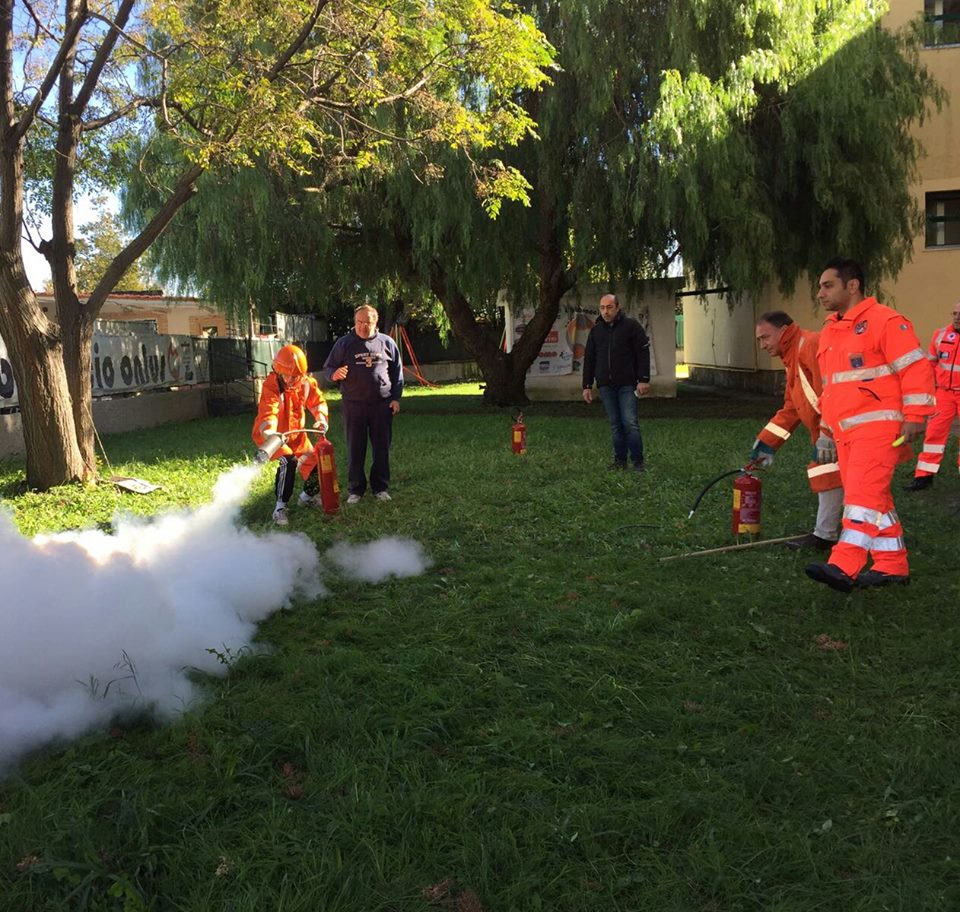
368, 359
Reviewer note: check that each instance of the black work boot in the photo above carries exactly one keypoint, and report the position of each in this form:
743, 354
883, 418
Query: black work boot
868, 578
831, 575
919, 483
811, 541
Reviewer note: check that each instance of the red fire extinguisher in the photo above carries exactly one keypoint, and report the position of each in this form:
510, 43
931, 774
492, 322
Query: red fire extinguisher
519, 444
747, 498
327, 472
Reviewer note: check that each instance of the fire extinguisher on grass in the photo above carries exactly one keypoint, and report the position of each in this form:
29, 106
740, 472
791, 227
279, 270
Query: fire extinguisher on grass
327, 473
519, 442
747, 499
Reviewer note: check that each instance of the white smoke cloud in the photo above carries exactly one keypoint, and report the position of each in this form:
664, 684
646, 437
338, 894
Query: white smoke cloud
378, 560
94, 623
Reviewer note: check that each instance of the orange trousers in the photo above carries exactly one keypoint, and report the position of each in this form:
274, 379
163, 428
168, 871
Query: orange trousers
870, 527
938, 433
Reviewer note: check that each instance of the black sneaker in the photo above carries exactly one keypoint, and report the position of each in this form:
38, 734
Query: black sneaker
919, 483
810, 541
640, 466
868, 578
832, 576
617, 466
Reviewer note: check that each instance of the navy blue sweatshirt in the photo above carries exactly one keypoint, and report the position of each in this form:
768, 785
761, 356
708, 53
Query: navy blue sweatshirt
375, 371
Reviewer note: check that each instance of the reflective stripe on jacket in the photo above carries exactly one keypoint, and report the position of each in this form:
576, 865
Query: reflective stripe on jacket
874, 371
801, 402
944, 352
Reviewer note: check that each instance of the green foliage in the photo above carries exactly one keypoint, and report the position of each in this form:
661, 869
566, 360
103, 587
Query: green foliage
436, 76
99, 242
752, 140
550, 718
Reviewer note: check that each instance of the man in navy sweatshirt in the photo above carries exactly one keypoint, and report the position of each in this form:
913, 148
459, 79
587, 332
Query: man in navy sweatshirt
366, 364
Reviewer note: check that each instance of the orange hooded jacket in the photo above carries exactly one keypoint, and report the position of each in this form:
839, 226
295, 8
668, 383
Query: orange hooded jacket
284, 408
801, 402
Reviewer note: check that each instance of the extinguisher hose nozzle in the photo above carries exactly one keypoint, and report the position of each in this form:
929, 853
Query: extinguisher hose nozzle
711, 483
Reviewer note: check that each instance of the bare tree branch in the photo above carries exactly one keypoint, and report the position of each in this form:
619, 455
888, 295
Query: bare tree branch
68, 46
97, 123
102, 57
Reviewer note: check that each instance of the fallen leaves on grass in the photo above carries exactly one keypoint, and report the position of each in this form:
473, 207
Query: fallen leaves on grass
825, 643
438, 891
27, 862
445, 893
292, 786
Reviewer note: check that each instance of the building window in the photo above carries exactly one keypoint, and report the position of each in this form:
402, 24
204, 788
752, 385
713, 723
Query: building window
943, 219
941, 22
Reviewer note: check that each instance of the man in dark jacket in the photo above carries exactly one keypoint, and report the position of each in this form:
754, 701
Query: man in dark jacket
366, 364
617, 356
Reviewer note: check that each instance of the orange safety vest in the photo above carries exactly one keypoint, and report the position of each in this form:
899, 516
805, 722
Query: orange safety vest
801, 403
875, 375
944, 352
284, 409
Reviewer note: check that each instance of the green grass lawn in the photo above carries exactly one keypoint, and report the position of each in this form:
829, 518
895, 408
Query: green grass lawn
550, 718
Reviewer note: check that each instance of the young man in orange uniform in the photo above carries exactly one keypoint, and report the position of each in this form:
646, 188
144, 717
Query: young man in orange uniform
944, 353
780, 337
288, 393
877, 388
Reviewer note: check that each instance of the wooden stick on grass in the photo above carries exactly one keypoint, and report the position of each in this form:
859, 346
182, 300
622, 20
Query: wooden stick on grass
756, 544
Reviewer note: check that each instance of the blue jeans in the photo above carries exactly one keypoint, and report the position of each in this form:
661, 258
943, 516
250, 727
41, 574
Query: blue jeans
621, 405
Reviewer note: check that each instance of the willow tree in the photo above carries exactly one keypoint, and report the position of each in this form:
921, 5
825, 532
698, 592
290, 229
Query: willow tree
303, 83
748, 138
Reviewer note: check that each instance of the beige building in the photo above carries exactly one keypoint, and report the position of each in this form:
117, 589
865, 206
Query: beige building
719, 342
172, 315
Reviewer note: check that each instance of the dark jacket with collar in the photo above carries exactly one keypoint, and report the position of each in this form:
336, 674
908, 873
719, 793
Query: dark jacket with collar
617, 353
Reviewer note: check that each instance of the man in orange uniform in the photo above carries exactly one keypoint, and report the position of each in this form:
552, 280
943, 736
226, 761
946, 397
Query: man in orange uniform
944, 352
877, 388
288, 392
780, 337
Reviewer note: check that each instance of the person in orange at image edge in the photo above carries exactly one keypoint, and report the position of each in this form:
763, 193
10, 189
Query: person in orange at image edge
944, 354
877, 388
780, 337
288, 393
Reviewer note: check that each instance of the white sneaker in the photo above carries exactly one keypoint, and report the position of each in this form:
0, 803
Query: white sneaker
280, 516
382, 495
354, 498
305, 500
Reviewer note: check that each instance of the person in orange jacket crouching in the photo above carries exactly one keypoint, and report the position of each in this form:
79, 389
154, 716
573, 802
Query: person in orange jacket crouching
877, 389
780, 337
288, 393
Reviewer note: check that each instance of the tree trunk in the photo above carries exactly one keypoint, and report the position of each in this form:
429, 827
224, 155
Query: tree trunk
505, 373
36, 355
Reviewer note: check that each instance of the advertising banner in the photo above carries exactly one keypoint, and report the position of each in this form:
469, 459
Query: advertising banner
562, 351
129, 363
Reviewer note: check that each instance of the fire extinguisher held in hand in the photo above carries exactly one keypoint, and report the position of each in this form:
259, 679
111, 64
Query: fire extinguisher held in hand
327, 473
519, 444
747, 499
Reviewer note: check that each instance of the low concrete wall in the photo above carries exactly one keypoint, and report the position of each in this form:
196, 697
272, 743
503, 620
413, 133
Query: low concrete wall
112, 416
760, 381
447, 372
